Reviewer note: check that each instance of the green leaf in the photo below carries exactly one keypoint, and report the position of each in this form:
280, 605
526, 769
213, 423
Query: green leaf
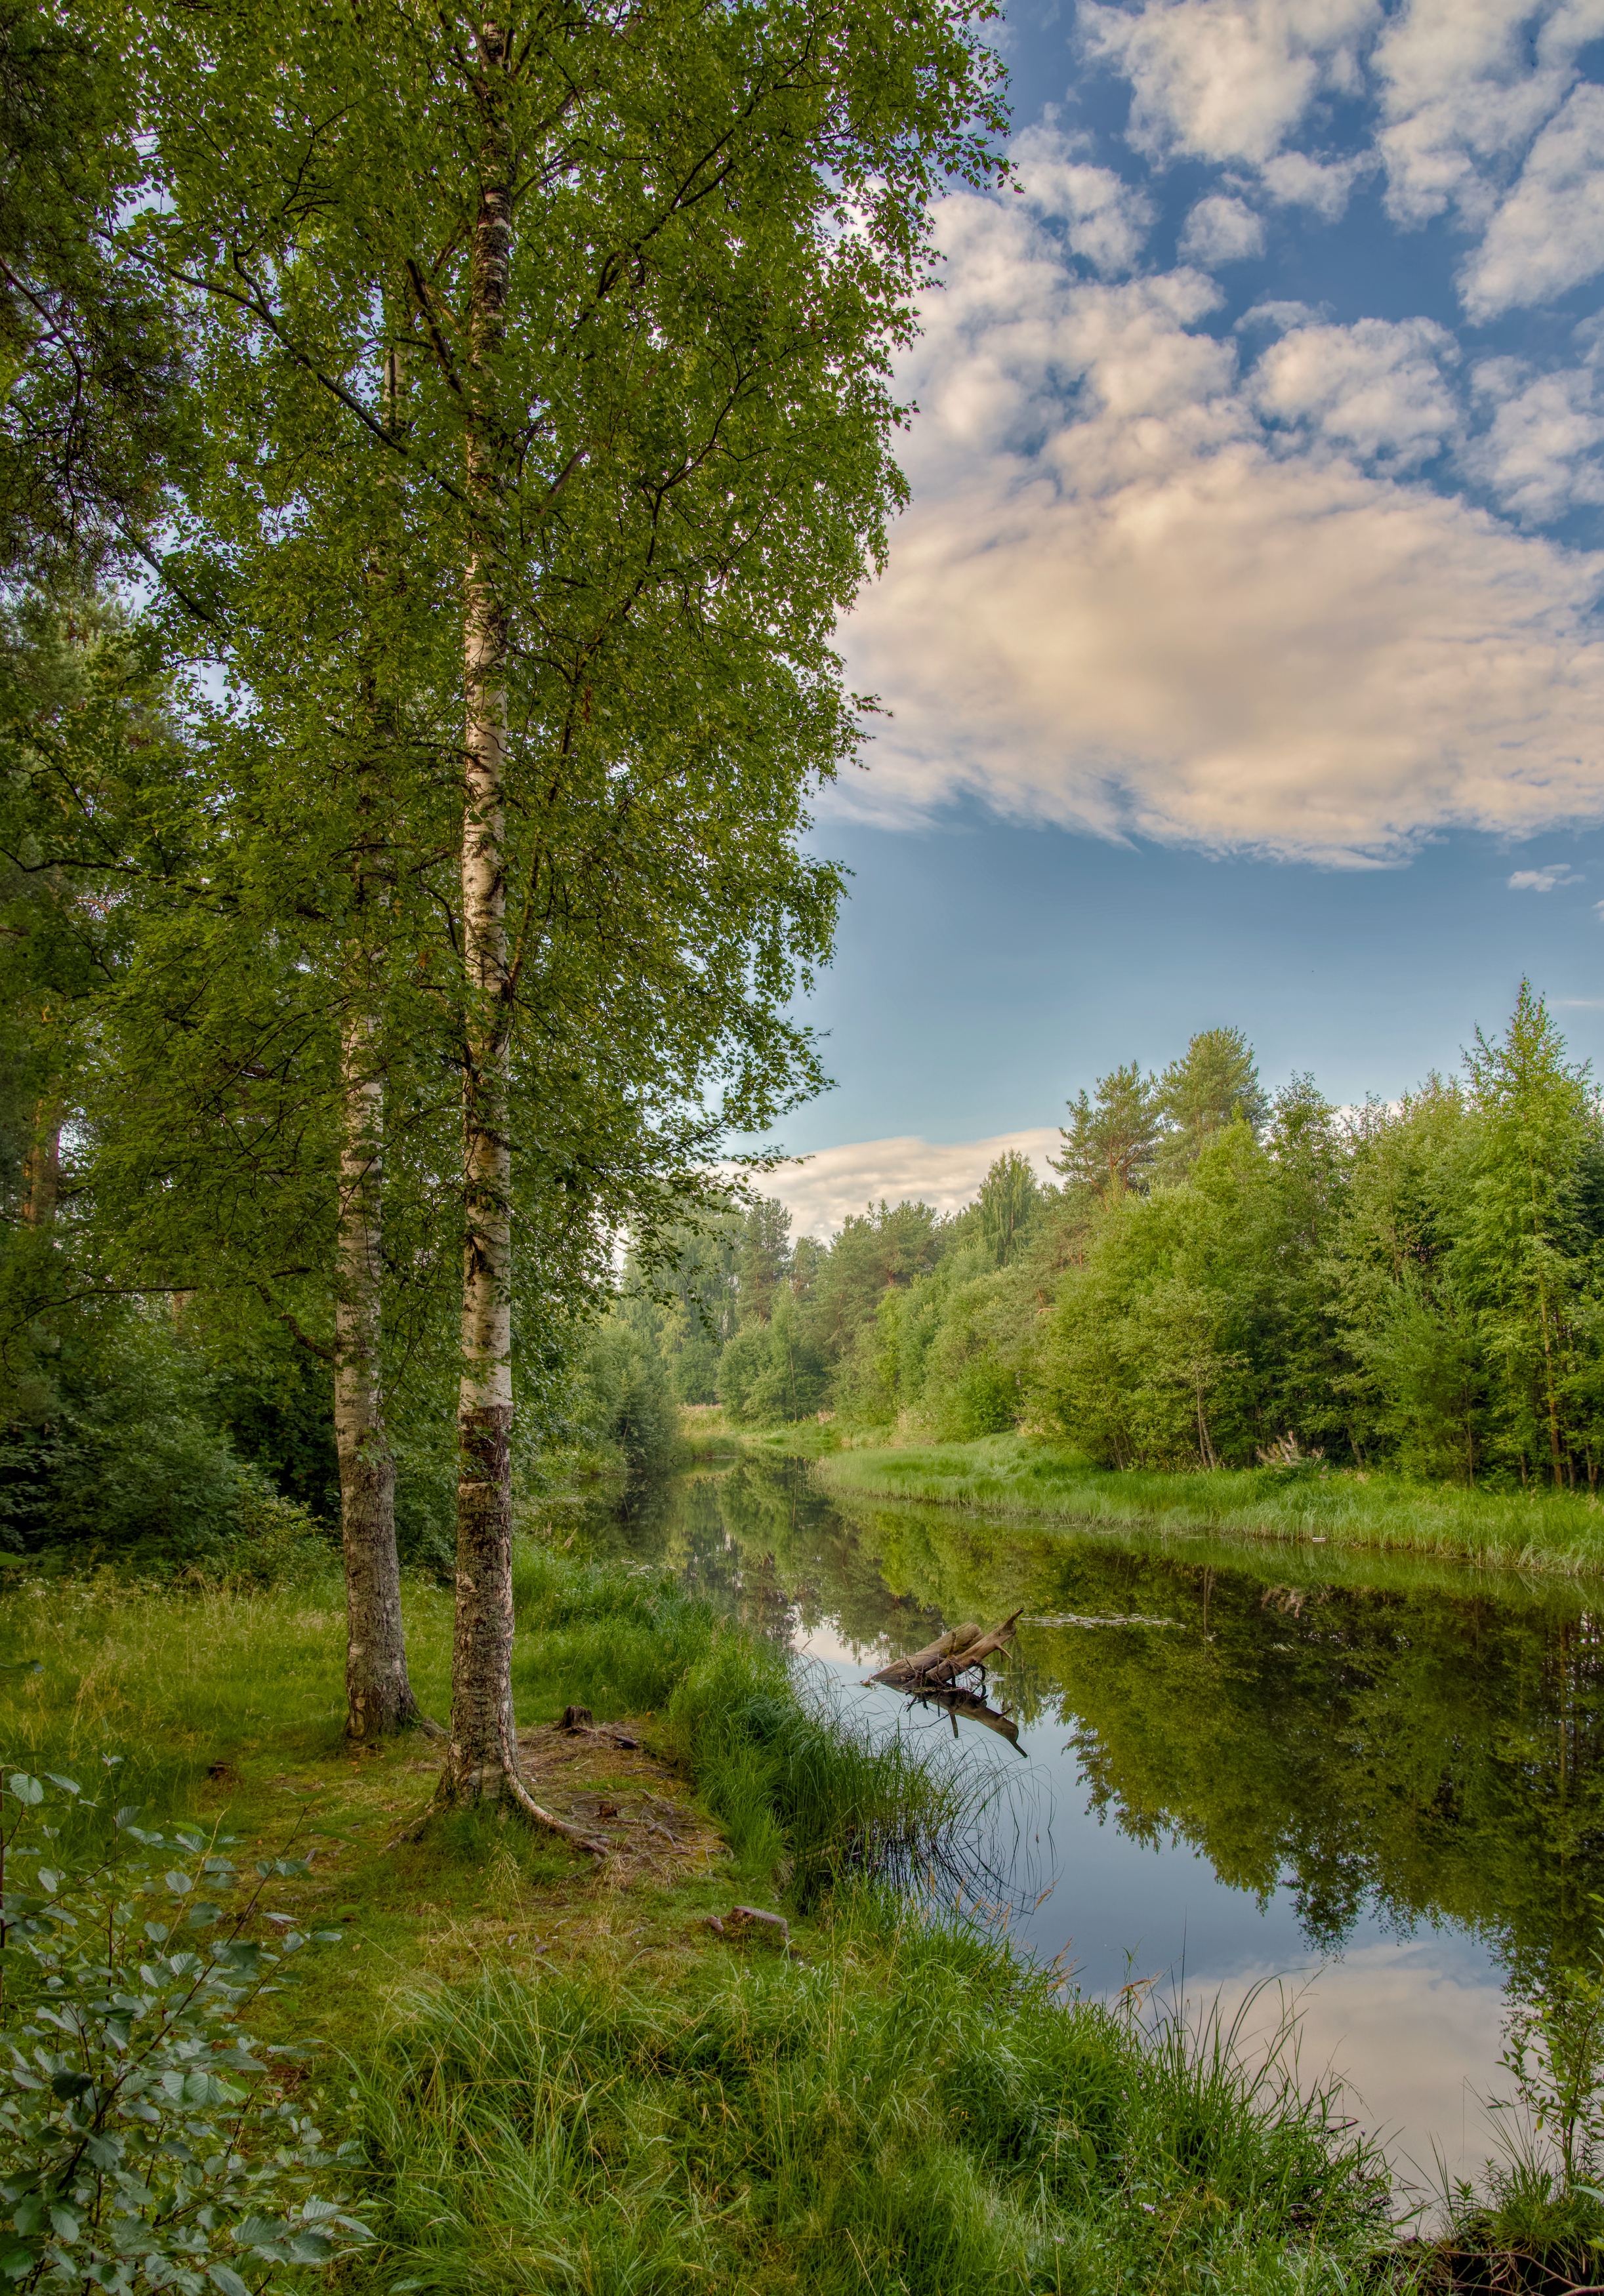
311, 2248
223, 2276
67, 1785
27, 1790
260, 2232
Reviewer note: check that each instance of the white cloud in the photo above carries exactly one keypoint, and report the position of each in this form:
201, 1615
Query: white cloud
1106, 220
1548, 235
821, 1192
1538, 454
1415, 2027
1228, 80
1277, 316
1221, 229
1119, 604
1297, 180
1462, 95
1543, 880
1375, 387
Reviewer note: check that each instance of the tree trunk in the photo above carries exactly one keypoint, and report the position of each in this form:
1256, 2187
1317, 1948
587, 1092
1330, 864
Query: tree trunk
41, 1168
379, 1699
481, 1748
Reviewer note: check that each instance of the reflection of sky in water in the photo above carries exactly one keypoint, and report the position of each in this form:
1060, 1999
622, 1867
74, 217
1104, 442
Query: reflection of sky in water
1414, 2025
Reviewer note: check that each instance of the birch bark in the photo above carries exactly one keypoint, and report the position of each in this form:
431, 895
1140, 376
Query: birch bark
378, 1698
481, 1748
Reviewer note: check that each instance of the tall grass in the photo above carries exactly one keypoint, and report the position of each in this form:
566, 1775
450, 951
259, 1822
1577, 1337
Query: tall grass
914, 2113
1035, 1479
797, 1791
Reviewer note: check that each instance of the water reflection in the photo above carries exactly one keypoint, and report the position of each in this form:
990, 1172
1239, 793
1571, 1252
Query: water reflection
1378, 1779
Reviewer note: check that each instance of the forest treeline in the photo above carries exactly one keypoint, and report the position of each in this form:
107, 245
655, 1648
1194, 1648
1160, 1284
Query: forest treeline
1215, 1276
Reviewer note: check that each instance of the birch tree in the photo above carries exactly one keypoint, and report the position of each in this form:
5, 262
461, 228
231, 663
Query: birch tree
649, 266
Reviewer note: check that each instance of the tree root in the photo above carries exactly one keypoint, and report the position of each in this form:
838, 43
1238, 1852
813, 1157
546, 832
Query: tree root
597, 1845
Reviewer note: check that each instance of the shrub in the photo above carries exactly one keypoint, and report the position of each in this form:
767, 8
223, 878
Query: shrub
141, 2144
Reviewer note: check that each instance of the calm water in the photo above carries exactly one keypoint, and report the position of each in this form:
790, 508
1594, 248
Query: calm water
1377, 1784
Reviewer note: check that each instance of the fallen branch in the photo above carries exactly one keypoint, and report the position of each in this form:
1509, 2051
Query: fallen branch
939, 1665
973, 1708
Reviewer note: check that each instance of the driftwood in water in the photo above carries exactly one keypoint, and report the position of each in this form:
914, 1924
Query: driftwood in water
939, 1665
974, 1709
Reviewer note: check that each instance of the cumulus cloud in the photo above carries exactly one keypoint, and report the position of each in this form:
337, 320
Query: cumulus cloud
1277, 316
1548, 235
1462, 91
1120, 603
1298, 180
1539, 453
1229, 79
1543, 880
1105, 219
1221, 229
1377, 387
820, 1192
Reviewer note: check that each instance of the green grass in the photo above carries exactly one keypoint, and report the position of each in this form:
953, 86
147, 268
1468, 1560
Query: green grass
566, 2084
795, 1793
910, 2112
1030, 1479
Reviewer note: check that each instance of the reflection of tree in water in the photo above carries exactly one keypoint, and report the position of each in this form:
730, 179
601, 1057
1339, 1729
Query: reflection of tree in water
1427, 1744
759, 1538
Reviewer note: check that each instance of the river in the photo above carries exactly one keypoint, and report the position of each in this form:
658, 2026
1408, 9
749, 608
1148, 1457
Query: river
1369, 1787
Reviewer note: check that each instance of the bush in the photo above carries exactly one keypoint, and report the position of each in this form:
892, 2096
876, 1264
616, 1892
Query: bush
140, 2141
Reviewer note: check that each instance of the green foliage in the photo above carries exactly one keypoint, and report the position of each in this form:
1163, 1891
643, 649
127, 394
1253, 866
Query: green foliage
771, 1371
89, 355
1223, 1279
1109, 1145
624, 1403
142, 2142
1541, 2204
1008, 1202
1213, 1087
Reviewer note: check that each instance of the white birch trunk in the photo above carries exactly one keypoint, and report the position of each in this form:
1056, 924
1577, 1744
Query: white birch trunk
481, 1754
379, 1699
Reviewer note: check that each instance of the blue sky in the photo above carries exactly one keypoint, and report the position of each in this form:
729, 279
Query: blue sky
1241, 643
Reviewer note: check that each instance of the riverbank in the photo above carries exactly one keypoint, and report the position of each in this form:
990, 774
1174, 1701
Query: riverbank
1030, 1480
564, 2077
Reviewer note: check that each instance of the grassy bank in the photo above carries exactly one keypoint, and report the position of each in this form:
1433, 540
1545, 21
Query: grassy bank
564, 2079
1032, 1479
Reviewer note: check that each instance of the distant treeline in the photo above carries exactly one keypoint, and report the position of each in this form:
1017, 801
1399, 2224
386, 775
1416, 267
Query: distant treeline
1218, 1274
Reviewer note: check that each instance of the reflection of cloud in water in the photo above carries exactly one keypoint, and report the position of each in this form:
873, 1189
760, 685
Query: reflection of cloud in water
1412, 2036
824, 1642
